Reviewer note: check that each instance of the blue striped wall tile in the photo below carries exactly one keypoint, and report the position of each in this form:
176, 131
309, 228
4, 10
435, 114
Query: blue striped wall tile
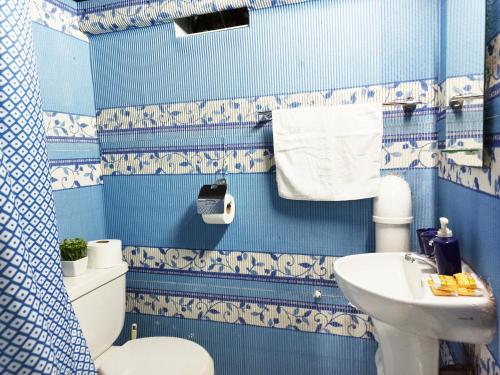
276, 351
80, 213
64, 72
221, 66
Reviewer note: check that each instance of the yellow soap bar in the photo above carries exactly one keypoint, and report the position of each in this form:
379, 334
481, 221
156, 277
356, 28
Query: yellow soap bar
466, 280
460, 284
443, 293
443, 282
465, 292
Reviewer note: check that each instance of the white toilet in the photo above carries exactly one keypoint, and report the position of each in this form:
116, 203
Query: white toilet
98, 297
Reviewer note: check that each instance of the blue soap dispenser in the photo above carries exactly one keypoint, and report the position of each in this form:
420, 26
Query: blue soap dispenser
446, 250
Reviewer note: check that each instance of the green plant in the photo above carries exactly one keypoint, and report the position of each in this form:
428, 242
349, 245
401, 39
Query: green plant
73, 249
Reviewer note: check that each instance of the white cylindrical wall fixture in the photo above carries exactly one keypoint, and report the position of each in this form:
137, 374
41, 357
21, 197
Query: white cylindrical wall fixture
392, 215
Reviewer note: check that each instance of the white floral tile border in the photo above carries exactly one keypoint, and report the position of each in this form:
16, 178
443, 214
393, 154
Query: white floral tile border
409, 153
236, 112
133, 14
257, 266
189, 160
463, 85
485, 179
244, 158
445, 357
417, 151
485, 363
62, 126
56, 16
258, 312
74, 173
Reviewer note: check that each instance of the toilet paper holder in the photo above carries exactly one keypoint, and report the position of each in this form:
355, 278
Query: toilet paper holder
211, 198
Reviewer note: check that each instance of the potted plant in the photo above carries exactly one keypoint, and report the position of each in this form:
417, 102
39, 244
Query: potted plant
73, 256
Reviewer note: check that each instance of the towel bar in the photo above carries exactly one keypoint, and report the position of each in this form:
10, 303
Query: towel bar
457, 101
409, 105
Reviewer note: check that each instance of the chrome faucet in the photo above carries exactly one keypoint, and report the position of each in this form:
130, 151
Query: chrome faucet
412, 257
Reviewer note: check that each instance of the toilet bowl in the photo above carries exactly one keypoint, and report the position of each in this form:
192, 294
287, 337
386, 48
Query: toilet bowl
177, 356
98, 298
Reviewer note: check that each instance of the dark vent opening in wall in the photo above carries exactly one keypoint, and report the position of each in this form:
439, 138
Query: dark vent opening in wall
226, 19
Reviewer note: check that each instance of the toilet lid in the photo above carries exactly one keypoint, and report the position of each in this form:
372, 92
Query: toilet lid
156, 356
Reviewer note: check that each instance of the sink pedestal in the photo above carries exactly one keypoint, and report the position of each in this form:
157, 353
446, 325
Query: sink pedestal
405, 353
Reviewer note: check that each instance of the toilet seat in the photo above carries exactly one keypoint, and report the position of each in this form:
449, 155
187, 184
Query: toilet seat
156, 356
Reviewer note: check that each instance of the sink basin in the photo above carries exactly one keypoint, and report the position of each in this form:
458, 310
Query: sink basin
407, 317
392, 290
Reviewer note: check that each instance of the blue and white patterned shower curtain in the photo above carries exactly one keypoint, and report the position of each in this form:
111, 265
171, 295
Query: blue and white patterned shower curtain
39, 333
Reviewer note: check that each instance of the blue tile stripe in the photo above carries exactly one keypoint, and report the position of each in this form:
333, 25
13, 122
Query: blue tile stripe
61, 162
417, 112
233, 276
466, 108
431, 136
188, 148
51, 139
184, 128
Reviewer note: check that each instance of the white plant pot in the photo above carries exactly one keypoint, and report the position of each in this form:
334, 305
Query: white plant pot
74, 268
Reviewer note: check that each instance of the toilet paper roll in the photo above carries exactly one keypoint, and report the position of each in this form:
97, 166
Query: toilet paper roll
227, 217
104, 253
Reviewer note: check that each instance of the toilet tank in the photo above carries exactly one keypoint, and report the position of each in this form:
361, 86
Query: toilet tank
98, 298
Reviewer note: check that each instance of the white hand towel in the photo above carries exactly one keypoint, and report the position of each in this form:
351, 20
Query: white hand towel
328, 153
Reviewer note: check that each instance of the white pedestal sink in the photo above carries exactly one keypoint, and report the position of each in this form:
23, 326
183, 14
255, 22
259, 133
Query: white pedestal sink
409, 320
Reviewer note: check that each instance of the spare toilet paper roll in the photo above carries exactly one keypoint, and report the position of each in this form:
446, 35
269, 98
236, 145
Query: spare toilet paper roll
226, 217
104, 253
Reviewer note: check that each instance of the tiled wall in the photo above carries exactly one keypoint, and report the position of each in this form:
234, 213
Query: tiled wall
174, 114
63, 59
